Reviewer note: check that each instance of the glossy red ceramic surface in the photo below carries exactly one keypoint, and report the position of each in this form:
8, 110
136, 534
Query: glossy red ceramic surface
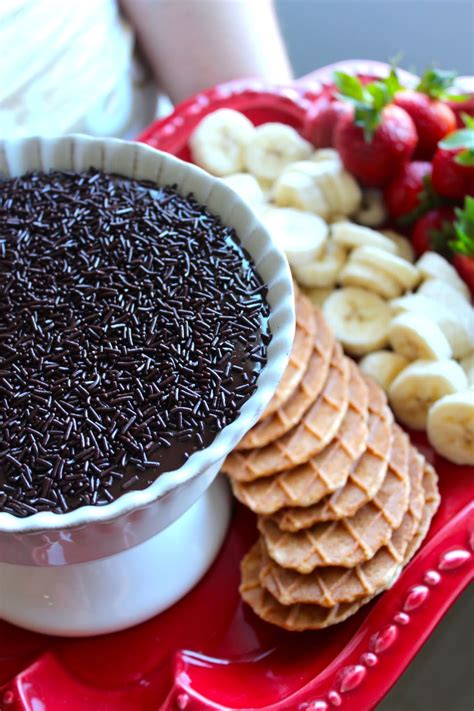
210, 651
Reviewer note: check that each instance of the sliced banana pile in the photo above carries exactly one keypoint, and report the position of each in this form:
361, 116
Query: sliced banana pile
429, 371
411, 323
417, 344
272, 167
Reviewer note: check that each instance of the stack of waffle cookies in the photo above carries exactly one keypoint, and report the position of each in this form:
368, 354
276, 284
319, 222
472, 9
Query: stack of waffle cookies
343, 499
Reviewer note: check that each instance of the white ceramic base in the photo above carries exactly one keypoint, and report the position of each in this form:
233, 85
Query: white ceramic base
127, 588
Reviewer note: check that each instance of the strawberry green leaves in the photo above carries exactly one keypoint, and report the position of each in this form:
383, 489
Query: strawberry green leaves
436, 82
464, 138
369, 100
464, 228
349, 86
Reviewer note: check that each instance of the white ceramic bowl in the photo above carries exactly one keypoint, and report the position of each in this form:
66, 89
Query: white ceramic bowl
90, 533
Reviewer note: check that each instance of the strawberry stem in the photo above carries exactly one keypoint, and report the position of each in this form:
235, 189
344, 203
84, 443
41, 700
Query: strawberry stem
368, 100
463, 138
435, 83
464, 229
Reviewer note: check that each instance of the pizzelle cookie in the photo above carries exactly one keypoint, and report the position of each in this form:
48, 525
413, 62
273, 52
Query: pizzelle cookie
289, 414
365, 477
334, 585
300, 353
344, 500
349, 541
325, 472
316, 429
432, 501
294, 618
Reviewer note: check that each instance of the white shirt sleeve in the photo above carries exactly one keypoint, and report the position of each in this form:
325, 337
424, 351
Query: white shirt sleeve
70, 66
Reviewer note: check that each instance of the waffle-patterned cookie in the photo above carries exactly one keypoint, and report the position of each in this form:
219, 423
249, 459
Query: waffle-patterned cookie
432, 501
349, 541
325, 472
316, 429
334, 585
290, 413
365, 476
300, 353
310, 616
294, 618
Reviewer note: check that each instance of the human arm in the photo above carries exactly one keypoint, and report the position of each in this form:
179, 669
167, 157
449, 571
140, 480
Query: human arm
194, 44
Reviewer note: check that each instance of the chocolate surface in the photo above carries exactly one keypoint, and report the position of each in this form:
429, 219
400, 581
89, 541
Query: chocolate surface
133, 327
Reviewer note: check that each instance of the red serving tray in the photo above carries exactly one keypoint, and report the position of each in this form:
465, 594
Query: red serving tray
209, 651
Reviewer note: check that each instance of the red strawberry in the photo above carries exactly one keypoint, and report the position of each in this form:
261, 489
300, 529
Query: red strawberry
433, 120
402, 194
377, 138
377, 159
431, 115
466, 106
450, 177
322, 121
465, 266
433, 231
463, 242
453, 163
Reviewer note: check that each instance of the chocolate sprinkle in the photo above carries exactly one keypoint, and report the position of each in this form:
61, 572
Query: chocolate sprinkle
133, 327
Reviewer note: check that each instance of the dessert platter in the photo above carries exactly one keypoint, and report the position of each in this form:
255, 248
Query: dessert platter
237, 398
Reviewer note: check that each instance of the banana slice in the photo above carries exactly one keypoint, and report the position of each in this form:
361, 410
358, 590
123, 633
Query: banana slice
444, 293
422, 383
317, 296
403, 245
397, 268
314, 168
336, 218
467, 364
365, 276
326, 154
417, 337
321, 173
454, 328
345, 191
350, 235
301, 235
299, 190
272, 147
359, 319
450, 427
324, 271
383, 366
266, 187
218, 142
434, 266
247, 186
372, 212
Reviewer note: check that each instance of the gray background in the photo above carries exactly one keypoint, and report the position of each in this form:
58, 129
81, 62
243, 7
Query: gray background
319, 32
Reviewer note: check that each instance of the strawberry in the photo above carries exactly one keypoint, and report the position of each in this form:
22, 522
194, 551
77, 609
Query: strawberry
453, 163
461, 105
463, 242
402, 194
322, 120
433, 118
376, 138
464, 263
376, 160
433, 231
